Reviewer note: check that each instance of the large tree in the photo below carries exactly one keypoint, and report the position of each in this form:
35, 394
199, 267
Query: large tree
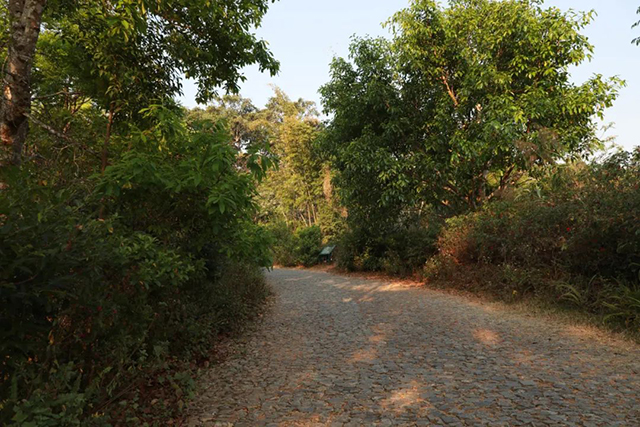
294, 191
24, 18
460, 103
297, 191
126, 53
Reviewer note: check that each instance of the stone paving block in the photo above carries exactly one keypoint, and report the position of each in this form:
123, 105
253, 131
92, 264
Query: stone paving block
345, 351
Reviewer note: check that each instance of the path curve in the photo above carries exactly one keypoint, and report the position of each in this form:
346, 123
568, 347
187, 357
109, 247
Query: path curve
338, 350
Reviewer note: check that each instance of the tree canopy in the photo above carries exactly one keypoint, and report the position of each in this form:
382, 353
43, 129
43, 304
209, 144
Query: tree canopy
124, 55
128, 240
298, 191
462, 101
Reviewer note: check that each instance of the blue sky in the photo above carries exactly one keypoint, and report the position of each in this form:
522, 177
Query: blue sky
305, 35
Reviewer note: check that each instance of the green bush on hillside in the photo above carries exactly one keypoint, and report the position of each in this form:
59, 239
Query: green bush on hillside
283, 244
402, 250
293, 248
308, 245
573, 236
109, 281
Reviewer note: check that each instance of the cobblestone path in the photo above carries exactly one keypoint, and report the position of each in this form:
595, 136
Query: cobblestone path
349, 351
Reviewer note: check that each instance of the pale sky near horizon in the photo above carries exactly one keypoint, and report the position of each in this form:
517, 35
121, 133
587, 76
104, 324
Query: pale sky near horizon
304, 35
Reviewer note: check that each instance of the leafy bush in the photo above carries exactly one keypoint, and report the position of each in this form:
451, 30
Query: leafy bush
572, 236
308, 245
283, 246
107, 281
301, 247
402, 250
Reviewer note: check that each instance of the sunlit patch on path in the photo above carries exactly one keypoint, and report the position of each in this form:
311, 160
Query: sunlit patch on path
350, 351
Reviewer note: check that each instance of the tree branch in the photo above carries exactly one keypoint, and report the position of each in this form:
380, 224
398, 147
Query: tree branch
450, 91
57, 133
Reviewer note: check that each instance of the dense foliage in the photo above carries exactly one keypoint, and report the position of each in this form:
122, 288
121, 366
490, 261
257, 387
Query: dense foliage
133, 232
108, 45
401, 250
293, 248
572, 236
460, 150
128, 240
90, 303
295, 197
460, 104
123, 55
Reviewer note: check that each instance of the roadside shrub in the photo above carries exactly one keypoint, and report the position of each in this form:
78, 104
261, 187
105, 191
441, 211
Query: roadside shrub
574, 236
401, 250
293, 248
113, 281
308, 244
408, 250
283, 244
350, 244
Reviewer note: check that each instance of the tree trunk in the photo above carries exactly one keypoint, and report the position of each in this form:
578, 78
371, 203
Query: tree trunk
25, 17
315, 213
310, 218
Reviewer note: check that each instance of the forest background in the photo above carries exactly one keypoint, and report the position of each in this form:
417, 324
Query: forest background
134, 231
